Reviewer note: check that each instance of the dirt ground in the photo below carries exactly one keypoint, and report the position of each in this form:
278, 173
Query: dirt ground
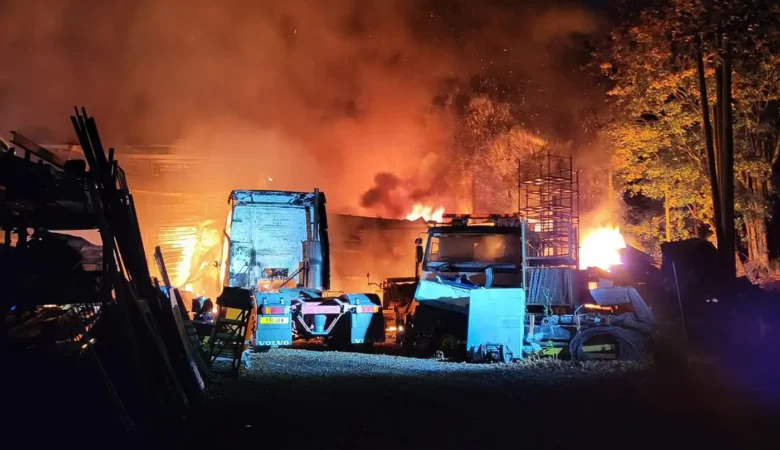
319, 399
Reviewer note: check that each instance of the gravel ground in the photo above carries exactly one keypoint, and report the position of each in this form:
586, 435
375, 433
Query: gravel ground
298, 398
294, 364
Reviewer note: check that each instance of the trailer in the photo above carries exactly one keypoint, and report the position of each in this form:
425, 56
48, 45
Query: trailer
276, 246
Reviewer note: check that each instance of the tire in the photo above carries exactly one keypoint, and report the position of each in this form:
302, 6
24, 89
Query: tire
448, 344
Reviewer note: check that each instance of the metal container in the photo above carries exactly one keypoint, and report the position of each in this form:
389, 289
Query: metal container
496, 317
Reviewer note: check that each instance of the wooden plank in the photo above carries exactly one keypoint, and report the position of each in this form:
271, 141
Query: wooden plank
24, 142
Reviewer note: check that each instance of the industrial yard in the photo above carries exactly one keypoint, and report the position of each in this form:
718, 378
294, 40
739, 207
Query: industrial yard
498, 334
395, 224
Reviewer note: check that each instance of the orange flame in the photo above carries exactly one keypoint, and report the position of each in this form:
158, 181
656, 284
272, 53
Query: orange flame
426, 212
600, 248
193, 243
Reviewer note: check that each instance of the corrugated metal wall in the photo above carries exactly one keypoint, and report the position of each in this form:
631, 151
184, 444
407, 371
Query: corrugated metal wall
174, 215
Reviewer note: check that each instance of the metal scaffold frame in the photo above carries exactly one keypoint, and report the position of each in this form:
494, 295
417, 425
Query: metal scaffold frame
549, 201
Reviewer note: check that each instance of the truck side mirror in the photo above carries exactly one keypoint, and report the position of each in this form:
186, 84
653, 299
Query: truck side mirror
419, 250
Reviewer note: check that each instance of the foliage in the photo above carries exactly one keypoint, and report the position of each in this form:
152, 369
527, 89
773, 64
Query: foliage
506, 149
657, 123
488, 140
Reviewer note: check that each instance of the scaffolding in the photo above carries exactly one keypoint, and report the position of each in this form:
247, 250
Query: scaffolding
549, 201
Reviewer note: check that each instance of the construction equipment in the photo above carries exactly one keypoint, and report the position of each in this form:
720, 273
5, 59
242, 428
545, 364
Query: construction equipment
276, 246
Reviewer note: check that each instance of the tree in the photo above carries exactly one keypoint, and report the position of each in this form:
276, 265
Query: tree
655, 130
494, 145
658, 127
482, 114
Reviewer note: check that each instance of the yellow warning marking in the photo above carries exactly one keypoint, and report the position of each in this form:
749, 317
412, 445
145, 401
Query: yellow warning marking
273, 320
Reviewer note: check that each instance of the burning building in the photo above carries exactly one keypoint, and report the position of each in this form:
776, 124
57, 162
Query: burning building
186, 220
367, 250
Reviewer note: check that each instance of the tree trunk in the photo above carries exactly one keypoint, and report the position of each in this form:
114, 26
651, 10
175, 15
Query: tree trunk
668, 219
727, 168
758, 248
756, 227
710, 145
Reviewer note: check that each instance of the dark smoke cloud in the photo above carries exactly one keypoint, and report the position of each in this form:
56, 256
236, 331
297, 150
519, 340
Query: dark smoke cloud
384, 184
325, 93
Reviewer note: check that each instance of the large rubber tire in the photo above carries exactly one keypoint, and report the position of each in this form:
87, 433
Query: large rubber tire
448, 344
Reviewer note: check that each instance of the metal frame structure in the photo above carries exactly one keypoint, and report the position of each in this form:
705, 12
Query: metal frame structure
549, 201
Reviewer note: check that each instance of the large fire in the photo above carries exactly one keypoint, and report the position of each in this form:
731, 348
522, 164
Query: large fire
600, 248
199, 247
426, 212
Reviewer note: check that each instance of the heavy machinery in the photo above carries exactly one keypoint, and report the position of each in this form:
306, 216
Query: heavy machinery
276, 245
469, 295
487, 290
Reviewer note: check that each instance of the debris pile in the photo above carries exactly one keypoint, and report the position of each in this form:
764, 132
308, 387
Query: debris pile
84, 321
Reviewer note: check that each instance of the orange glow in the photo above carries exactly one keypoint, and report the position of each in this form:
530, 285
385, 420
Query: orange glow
426, 212
600, 248
193, 243
274, 285
594, 306
186, 243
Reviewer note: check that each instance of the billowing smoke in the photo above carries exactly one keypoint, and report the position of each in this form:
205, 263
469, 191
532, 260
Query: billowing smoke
381, 194
391, 195
335, 94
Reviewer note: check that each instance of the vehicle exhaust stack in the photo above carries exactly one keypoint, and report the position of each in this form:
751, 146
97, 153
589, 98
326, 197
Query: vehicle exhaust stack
313, 248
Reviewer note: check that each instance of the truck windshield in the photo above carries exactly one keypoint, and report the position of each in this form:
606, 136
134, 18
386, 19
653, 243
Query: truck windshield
473, 249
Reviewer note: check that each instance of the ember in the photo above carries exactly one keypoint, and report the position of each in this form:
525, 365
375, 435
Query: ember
426, 212
600, 248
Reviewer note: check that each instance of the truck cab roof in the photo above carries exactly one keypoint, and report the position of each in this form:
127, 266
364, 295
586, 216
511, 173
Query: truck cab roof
475, 229
291, 198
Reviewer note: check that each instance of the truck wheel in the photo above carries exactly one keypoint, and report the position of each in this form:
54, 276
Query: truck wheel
448, 344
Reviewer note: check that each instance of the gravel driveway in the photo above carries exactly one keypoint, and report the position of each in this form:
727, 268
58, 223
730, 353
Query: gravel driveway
295, 398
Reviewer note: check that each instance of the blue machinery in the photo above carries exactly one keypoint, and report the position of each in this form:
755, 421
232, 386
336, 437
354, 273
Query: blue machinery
276, 245
469, 295
465, 302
